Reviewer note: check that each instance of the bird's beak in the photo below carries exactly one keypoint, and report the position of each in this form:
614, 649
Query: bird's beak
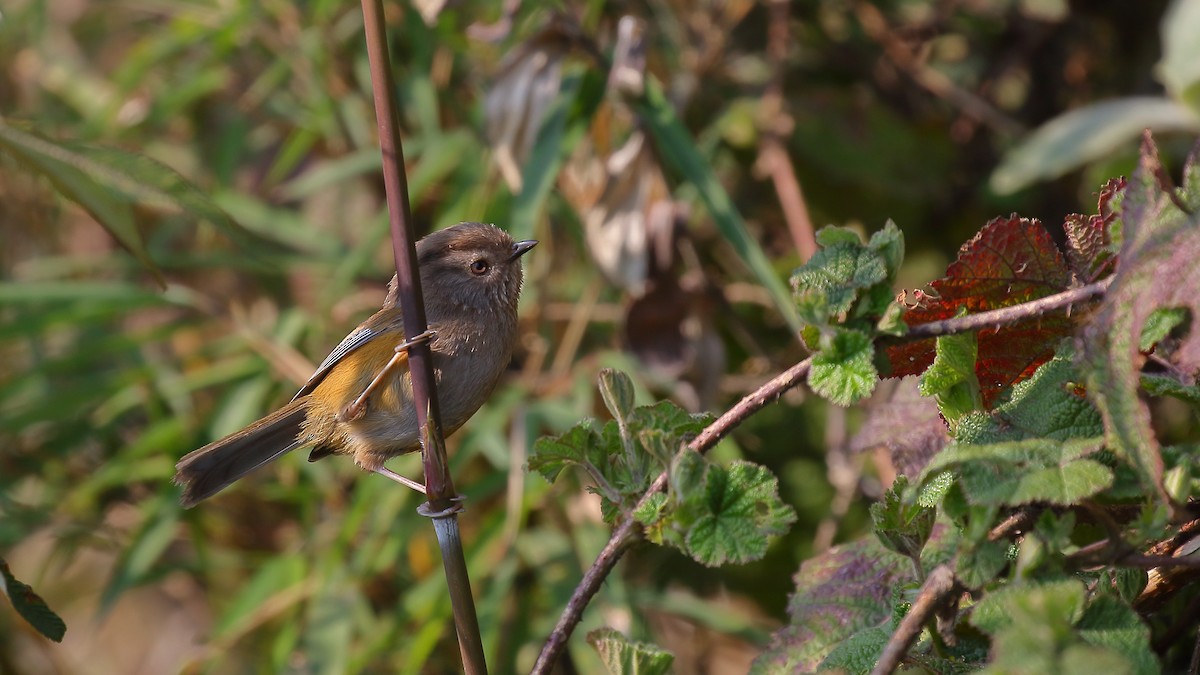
520, 248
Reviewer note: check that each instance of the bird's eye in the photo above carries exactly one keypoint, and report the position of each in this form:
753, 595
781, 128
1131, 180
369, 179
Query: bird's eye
480, 266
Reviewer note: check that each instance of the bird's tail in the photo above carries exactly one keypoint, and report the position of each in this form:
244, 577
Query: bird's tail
207, 471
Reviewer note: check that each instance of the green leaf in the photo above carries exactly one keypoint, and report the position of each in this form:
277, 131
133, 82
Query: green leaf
108, 183
889, 243
677, 150
1054, 605
832, 235
1128, 583
30, 605
951, 379
858, 653
1047, 405
1050, 627
835, 275
1022, 472
93, 293
1111, 623
1065, 484
621, 459
1087, 134
617, 391
933, 489
580, 446
953, 365
623, 657
670, 418
651, 512
1083, 660
902, 527
740, 509
1165, 385
843, 372
1159, 325
660, 445
891, 322
688, 473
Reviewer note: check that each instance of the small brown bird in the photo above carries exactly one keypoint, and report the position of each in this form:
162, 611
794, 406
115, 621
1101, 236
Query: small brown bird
471, 277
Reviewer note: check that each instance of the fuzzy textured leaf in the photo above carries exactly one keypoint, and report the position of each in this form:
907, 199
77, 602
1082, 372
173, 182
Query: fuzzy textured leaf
902, 527
835, 275
1051, 627
741, 509
844, 370
581, 446
1060, 602
950, 379
1109, 622
859, 652
1157, 236
1023, 472
838, 593
1048, 405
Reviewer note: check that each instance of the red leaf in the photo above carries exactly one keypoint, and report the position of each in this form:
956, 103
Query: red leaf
1010, 261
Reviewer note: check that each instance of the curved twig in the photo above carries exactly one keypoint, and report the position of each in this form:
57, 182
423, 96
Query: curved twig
1009, 315
628, 532
937, 589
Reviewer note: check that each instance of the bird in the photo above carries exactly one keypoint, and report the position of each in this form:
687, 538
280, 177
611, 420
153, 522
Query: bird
471, 278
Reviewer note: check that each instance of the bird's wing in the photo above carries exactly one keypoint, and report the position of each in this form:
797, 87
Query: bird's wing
369, 330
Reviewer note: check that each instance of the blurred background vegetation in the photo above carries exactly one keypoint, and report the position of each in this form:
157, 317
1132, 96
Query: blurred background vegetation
125, 345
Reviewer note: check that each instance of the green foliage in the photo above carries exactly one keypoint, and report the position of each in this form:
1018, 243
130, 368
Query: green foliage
841, 283
1027, 434
843, 371
733, 518
623, 657
1048, 405
844, 297
109, 184
902, 527
715, 514
1022, 472
1074, 633
951, 380
229, 152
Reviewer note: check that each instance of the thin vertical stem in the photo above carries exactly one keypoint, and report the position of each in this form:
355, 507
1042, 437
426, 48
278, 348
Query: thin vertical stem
443, 504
